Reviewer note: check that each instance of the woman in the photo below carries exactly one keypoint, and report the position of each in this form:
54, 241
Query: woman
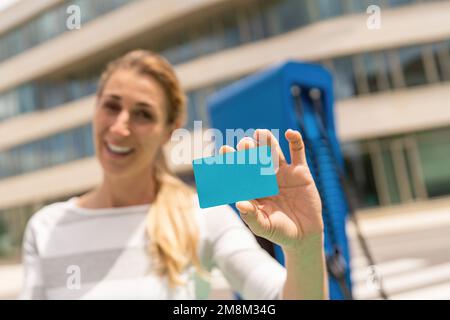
141, 234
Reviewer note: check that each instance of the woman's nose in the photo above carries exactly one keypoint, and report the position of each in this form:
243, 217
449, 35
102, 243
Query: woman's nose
121, 125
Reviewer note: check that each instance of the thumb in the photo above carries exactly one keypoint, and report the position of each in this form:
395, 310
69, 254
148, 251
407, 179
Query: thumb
249, 214
246, 207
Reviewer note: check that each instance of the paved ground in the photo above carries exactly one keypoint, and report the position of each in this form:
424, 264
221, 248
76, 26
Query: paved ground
412, 253
411, 248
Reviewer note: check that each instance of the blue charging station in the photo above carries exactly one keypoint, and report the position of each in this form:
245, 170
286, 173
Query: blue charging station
296, 95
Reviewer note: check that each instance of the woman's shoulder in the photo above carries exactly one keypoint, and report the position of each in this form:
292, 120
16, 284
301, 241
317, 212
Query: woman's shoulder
51, 213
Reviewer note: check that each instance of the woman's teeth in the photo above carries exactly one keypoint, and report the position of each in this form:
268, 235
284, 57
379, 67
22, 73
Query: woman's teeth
118, 149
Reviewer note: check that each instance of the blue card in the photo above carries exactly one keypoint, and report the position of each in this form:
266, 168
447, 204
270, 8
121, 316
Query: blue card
235, 176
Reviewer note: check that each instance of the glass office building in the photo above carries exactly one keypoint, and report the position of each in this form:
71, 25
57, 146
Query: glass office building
392, 85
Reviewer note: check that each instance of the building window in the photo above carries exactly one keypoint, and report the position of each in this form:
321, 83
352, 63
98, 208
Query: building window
434, 151
344, 78
376, 68
50, 24
57, 149
329, 8
412, 62
359, 165
399, 169
442, 58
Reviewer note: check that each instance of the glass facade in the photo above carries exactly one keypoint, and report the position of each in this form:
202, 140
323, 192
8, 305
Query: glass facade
399, 169
50, 24
392, 69
434, 151
50, 151
46, 94
258, 20
252, 22
413, 66
355, 75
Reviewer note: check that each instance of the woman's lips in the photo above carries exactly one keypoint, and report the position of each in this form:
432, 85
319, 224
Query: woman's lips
118, 151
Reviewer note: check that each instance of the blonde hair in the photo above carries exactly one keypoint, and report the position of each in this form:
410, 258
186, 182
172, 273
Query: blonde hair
171, 226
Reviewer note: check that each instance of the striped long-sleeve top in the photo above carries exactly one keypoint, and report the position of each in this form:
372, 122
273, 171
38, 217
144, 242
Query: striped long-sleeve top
71, 252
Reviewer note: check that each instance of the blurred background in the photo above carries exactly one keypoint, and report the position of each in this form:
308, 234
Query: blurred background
392, 109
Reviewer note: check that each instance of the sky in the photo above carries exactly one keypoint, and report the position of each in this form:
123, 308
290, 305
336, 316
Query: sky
6, 3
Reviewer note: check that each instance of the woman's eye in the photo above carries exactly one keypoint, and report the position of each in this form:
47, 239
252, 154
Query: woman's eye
144, 115
112, 106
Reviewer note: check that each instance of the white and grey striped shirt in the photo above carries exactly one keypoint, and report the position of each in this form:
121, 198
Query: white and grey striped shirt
77, 253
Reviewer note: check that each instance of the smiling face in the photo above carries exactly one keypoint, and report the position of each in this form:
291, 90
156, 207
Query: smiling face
130, 123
